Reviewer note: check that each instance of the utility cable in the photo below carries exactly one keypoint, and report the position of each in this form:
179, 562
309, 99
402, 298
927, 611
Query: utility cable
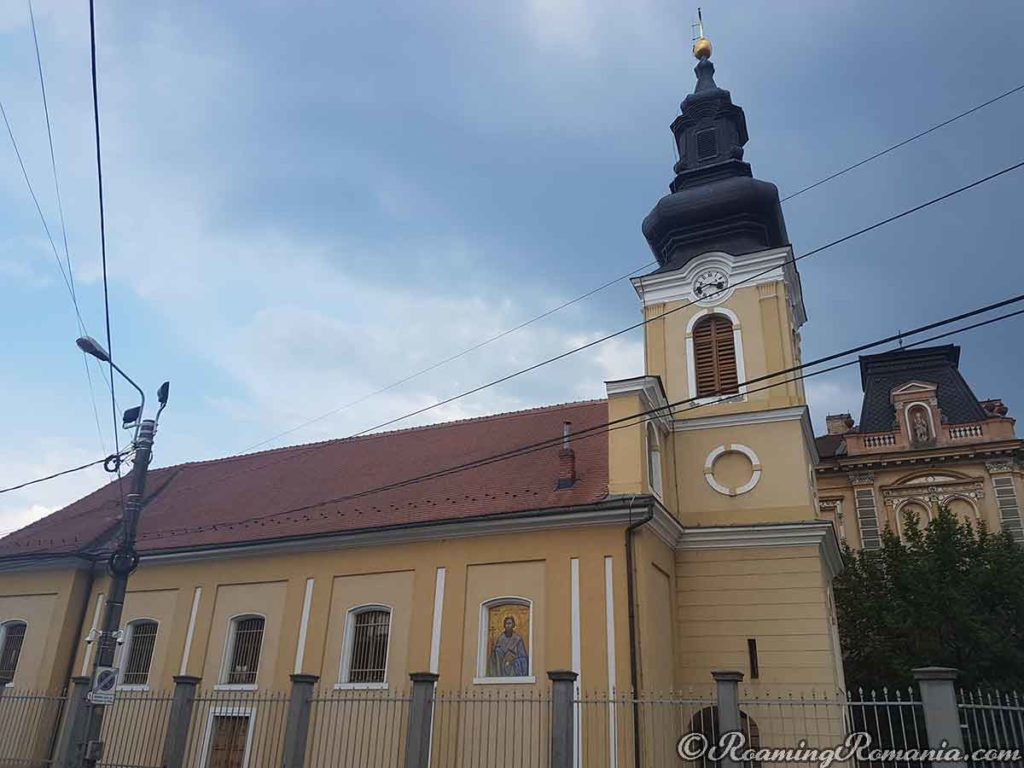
619, 279
622, 422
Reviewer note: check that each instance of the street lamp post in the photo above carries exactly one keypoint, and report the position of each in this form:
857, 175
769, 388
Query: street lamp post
124, 559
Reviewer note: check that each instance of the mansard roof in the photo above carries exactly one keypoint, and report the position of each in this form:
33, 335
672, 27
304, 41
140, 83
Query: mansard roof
324, 488
880, 374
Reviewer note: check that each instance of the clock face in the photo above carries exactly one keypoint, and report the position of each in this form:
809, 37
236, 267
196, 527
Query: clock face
710, 283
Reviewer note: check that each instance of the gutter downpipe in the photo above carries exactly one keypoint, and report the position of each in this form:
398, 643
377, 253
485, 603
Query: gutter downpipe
634, 674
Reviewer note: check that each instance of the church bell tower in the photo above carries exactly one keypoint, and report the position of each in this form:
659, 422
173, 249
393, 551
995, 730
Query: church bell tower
731, 454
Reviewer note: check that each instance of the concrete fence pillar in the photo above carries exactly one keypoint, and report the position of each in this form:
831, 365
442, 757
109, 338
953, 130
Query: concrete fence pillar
941, 712
727, 695
421, 719
297, 728
76, 715
179, 720
562, 720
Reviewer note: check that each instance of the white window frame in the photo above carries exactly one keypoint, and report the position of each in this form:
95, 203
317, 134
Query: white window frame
3, 639
229, 651
343, 683
483, 651
691, 364
125, 651
230, 710
655, 469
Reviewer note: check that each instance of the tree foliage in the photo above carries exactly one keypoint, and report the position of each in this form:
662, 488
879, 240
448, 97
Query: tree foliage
947, 595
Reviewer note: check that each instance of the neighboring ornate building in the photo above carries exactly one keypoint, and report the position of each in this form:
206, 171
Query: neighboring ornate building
924, 441
642, 557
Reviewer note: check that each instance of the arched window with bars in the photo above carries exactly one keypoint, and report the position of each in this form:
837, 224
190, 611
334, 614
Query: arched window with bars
12, 636
714, 356
246, 642
140, 640
367, 634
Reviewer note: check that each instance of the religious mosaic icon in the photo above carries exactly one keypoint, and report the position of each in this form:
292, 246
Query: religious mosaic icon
508, 638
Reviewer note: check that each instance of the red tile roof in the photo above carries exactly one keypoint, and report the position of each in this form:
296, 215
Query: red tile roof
320, 488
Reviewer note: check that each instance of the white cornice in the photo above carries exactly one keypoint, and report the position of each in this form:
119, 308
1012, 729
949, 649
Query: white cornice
769, 266
625, 511
746, 418
652, 395
817, 533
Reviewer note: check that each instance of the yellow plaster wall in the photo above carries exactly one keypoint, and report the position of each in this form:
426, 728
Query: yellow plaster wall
50, 602
535, 565
395, 590
777, 596
769, 345
158, 605
783, 494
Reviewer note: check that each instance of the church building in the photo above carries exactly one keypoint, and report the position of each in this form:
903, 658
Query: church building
642, 540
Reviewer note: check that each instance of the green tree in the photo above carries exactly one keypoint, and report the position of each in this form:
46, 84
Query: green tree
948, 595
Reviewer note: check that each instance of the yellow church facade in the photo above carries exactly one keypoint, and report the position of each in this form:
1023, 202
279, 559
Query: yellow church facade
642, 541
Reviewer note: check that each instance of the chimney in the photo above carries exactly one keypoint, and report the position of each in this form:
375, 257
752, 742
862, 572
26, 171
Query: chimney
566, 460
839, 423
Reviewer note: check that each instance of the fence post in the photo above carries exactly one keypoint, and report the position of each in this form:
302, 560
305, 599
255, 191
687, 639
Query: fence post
421, 716
941, 713
179, 720
72, 735
727, 693
297, 728
562, 730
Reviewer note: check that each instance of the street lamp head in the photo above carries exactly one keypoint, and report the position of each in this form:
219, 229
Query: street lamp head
90, 346
163, 392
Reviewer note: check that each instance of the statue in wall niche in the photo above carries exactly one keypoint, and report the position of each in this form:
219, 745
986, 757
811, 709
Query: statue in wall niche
508, 656
920, 432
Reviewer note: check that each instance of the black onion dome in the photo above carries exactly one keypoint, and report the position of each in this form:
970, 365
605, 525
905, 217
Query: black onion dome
715, 203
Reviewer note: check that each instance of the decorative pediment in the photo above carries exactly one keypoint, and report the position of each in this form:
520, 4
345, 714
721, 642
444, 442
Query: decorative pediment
914, 388
933, 487
934, 478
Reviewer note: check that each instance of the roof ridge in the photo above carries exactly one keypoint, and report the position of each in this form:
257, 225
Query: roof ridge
387, 433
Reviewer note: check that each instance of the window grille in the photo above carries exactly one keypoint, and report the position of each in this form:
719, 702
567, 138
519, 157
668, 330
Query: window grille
13, 636
139, 656
714, 353
368, 654
245, 651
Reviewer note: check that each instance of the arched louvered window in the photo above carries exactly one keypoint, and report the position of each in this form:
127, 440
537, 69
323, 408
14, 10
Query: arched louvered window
714, 357
12, 635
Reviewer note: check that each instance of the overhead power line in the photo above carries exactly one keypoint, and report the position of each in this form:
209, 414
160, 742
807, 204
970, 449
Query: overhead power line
845, 238
103, 235
63, 224
626, 421
684, 305
903, 143
63, 472
614, 281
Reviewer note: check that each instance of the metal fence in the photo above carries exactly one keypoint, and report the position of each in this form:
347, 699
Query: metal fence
491, 728
236, 728
357, 728
552, 725
992, 720
28, 727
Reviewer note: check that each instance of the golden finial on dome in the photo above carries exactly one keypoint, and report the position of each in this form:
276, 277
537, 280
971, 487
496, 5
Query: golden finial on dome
702, 46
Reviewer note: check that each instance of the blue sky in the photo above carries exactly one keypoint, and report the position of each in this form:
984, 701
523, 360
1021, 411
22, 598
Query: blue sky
307, 201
